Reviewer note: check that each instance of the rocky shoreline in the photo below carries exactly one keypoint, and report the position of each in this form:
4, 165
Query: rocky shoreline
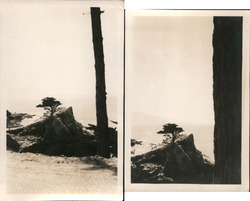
55, 136
178, 162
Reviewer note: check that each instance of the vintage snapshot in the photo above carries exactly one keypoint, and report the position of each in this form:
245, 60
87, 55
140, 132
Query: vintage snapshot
186, 99
62, 71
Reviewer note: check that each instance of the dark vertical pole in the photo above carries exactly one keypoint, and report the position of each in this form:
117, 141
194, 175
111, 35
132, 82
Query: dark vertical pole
101, 110
227, 76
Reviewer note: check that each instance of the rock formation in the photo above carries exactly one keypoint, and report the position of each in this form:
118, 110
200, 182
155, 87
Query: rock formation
57, 135
12, 144
178, 162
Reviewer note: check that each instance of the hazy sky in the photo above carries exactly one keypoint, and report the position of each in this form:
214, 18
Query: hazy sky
47, 50
169, 68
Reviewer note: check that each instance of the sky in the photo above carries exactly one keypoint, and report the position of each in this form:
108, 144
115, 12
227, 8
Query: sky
169, 77
169, 68
47, 50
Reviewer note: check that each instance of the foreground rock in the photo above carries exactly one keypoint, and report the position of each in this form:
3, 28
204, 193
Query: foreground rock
179, 162
59, 135
12, 144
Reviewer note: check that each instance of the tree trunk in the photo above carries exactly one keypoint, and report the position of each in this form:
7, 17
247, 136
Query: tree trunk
103, 148
51, 112
227, 76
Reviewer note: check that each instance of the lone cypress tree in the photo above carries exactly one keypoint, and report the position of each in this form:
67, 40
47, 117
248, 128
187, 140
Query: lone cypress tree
50, 104
103, 148
171, 128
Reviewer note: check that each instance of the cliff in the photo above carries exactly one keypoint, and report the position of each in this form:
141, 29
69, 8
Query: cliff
179, 162
59, 135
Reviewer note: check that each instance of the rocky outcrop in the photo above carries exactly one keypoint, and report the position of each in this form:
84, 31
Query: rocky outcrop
14, 120
227, 77
57, 135
178, 162
12, 144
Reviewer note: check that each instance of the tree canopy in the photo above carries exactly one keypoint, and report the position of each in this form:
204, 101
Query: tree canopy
171, 128
134, 142
50, 104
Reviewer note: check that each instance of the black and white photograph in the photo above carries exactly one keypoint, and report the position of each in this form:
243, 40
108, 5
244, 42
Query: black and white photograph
62, 74
117, 100
184, 99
